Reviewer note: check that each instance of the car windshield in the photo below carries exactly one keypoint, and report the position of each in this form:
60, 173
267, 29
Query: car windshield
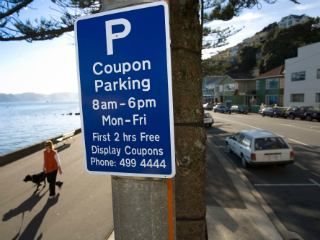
270, 143
207, 115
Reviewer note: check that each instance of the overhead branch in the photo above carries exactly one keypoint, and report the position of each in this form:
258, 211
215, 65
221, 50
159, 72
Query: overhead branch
15, 9
40, 36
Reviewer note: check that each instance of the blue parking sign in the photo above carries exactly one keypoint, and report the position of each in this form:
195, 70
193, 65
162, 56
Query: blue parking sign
125, 91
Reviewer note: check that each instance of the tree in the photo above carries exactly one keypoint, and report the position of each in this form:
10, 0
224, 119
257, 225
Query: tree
14, 29
210, 67
284, 43
222, 10
247, 58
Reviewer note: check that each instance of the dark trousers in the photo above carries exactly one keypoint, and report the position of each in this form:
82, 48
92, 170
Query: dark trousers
51, 177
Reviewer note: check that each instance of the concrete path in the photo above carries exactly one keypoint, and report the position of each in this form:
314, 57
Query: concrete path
81, 210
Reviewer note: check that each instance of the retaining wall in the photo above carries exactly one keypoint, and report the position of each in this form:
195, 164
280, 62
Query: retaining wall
23, 152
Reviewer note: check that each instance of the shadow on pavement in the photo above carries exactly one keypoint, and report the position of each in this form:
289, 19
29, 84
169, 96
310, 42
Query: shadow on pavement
63, 147
34, 225
27, 205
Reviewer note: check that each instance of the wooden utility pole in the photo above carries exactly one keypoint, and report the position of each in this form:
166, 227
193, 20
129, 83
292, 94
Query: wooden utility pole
190, 135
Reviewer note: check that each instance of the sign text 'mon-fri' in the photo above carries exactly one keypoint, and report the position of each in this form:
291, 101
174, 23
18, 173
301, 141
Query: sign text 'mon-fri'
124, 76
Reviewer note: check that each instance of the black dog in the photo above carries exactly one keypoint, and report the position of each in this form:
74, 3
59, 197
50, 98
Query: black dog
37, 179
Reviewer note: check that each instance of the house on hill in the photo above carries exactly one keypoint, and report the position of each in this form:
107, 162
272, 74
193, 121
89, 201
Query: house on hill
291, 20
270, 86
257, 38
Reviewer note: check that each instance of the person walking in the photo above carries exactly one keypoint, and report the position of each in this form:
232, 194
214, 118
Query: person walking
51, 165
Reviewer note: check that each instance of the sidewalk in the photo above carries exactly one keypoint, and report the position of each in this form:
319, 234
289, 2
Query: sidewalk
81, 210
232, 210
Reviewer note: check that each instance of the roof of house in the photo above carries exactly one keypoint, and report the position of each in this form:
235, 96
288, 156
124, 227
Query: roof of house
278, 71
213, 79
241, 76
295, 16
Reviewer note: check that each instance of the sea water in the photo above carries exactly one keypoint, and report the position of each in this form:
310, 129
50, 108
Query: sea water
27, 123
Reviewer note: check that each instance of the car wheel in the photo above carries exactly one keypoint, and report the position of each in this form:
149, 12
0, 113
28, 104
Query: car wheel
291, 116
285, 117
263, 114
210, 125
318, 119
308, 118
276, 116
229, 149
229, 112
244, 162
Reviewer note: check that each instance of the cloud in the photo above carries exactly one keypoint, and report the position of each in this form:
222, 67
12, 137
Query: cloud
305, 6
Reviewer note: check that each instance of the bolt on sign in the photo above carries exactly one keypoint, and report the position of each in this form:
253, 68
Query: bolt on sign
125, 91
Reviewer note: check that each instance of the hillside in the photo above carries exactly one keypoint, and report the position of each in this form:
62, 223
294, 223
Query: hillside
35, 97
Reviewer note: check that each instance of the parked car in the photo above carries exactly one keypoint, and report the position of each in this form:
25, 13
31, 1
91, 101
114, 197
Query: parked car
239, 109
303, 112
207, 106
208, 120
222, 109
259, 147
273, 112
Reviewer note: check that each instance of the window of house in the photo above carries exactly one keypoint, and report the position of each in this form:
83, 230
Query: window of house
318, 74
297, 97
317, 97
220, 88
272, 83
298, 76
257, 84
271, 99
290, 22
229, 87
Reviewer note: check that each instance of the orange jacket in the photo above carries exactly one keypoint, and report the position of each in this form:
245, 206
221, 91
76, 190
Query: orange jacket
49, 162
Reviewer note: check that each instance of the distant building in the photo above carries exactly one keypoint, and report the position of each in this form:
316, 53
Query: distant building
208, 88
258, 38
269, 87
302, 79
292, 20
222, 56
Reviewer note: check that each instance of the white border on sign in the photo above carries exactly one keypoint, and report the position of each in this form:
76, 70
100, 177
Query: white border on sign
169, 75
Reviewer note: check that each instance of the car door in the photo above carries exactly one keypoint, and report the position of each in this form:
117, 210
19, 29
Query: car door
232, 142
239, 144
269, 112
301, 112
246, 149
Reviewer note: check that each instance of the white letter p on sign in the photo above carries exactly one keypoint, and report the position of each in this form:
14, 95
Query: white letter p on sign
111, 36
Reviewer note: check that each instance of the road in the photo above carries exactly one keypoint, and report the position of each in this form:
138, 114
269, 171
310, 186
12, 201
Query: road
296, 204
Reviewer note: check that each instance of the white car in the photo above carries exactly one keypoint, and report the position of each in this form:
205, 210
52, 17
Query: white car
207, 119
258, 147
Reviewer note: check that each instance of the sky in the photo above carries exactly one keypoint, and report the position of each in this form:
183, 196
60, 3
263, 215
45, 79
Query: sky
50, 66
